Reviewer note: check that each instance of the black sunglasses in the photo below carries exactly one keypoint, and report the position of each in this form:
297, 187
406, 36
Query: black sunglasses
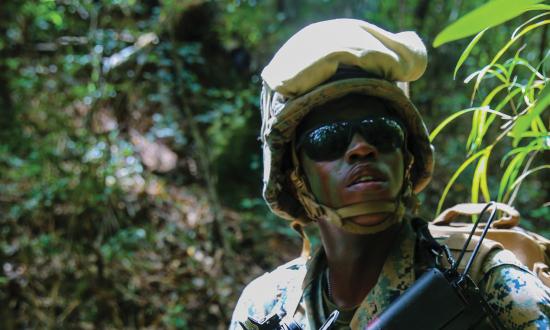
330, 141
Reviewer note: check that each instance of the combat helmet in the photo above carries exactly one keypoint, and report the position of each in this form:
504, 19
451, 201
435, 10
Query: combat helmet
312, 68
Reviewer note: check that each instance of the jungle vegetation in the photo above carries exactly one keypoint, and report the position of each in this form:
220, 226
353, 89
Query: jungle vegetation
130, 166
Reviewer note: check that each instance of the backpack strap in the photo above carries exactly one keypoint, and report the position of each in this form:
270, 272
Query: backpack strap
455, 242
429, 250
509, 218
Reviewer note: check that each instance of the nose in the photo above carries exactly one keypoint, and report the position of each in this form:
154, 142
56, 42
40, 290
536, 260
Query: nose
359, 149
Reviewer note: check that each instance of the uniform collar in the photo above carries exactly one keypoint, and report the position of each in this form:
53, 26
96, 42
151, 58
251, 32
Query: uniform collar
396, 276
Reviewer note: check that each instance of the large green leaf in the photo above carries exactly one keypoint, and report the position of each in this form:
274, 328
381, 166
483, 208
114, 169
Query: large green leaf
486, 16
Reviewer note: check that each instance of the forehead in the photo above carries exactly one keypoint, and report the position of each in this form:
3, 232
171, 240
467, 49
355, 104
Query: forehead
348, 108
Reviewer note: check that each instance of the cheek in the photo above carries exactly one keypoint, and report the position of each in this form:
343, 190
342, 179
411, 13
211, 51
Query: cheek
322, 181
395, 163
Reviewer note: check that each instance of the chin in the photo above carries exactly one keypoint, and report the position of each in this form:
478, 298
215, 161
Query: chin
370, 219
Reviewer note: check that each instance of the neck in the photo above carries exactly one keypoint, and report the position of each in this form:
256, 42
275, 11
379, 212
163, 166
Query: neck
354, 261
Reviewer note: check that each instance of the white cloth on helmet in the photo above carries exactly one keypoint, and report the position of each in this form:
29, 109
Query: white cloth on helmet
315, 53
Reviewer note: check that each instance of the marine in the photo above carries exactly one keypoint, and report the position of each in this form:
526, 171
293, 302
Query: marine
344, 149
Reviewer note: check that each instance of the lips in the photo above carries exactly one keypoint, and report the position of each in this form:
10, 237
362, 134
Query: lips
365, 174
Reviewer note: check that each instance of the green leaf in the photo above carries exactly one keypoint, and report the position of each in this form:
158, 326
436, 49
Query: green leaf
457, 114
481, 73
491, 14
542, 102
497, 109
55, 18
529, 21
492, 94
455, 176
483, 185
480, 77
524, 175
499, 73
479, 181
511, 172
516, 37
467, 51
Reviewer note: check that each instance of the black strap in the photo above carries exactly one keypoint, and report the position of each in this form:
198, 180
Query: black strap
428, 243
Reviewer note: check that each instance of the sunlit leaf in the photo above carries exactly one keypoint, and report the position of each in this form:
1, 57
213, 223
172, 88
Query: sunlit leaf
479, 78
529, 21
467, 52
483, 185
508, 98
501, 52
479, 181
522, 177
523, 62
457, 114
540, 126
492, 94
470, 146
502, 73
472, 76
516, 37
491, 14
55, 18
523, 122
455, 176
511, 172
511, 63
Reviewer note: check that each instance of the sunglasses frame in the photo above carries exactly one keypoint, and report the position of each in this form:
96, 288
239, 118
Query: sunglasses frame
350, 128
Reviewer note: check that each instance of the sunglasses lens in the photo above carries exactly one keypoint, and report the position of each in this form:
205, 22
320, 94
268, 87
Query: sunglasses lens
384, 133
327, 142
330, 141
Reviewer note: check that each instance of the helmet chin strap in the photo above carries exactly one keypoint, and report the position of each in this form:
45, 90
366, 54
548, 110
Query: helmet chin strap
343, 217
394, 210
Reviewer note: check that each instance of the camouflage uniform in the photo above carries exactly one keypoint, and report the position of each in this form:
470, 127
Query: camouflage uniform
518, 297
307, 72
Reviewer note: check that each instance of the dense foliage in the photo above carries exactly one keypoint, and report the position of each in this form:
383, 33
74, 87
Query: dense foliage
518, 94
130, 170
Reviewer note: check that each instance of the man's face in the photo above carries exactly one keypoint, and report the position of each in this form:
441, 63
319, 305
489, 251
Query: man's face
363, 171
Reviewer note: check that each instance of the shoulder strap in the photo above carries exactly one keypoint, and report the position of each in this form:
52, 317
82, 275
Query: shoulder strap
424, 236
455, 243
428, 247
